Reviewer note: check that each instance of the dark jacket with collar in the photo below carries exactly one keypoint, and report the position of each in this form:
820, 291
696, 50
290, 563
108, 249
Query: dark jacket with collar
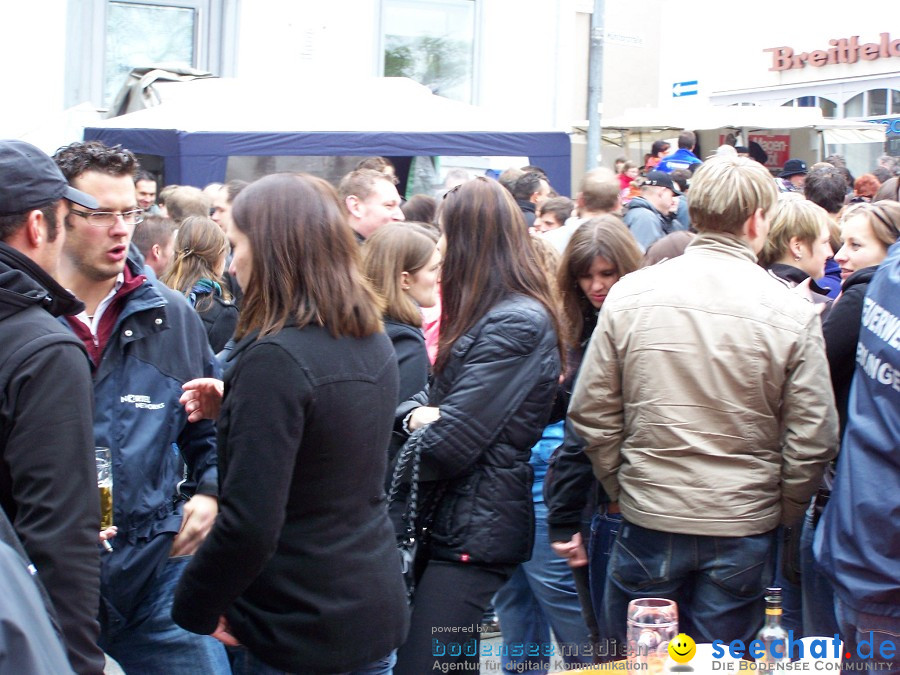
48, 483
841, 331
158, 343
220, 318
495, 395
302, 559
412, 357
528, 211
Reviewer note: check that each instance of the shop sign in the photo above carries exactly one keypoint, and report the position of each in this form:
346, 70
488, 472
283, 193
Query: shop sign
843, 50
892, 125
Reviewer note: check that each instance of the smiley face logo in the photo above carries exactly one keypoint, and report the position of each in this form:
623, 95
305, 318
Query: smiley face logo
682, 648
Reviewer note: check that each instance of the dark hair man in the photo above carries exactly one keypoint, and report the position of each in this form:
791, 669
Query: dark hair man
684, 157
722, 442
530, 190
48, 482
144, 341
145, 190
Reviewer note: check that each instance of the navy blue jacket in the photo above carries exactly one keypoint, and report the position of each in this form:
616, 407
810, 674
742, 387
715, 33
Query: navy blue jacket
858, 542
158, 344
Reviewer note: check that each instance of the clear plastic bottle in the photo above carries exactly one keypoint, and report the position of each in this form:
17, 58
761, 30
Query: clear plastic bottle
772, 632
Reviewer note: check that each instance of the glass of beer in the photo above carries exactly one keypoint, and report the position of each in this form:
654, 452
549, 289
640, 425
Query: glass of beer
652, 623
105, 483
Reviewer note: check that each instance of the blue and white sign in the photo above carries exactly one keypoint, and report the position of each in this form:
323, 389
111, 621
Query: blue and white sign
680, 89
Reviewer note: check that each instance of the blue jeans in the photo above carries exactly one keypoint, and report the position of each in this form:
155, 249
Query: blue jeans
155, 644
604, 528
865, 635
243, 662
718, 582
818, 597
541, 596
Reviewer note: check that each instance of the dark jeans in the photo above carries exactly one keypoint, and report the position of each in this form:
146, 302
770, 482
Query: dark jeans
868, 636
718, 582
604, 528
449, 602
818, 597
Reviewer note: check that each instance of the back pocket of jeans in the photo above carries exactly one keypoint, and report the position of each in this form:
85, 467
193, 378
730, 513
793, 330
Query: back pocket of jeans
640, 557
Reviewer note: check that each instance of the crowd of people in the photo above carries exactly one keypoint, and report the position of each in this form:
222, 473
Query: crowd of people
344, 425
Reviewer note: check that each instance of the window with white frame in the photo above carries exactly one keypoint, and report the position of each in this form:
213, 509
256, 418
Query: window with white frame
107, 38
873, 103
431, 42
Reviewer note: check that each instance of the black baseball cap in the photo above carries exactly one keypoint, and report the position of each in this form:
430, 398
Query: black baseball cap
661, 179
29, 178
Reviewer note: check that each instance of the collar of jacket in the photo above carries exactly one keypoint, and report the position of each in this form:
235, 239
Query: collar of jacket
26, 283
721, 243
862, 276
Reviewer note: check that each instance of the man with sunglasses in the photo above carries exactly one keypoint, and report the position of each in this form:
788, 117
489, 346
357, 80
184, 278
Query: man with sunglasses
144, 341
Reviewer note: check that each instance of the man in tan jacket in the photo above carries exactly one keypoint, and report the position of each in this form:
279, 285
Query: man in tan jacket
706, 407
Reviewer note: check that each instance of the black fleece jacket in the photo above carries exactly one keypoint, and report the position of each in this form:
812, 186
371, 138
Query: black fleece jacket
48, 482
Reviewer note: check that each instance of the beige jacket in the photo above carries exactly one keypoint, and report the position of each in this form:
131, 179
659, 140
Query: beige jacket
704, 397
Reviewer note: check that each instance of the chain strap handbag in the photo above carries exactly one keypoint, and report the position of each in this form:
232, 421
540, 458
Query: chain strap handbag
406, 470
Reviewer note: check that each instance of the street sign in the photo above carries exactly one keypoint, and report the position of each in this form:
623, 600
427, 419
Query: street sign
680, 89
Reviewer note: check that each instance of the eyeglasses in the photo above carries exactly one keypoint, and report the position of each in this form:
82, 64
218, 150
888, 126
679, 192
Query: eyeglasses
109, 218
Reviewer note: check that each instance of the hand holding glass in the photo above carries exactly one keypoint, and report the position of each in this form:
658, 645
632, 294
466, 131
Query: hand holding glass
103, 458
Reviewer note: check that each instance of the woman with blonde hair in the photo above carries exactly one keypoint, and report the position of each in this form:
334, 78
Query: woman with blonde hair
402, 262
196, 272
798, 244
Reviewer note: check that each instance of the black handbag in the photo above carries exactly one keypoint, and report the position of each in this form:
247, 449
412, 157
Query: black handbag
406, 470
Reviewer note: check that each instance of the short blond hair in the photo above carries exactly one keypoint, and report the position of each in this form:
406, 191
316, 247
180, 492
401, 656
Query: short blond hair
726, 191
791, 218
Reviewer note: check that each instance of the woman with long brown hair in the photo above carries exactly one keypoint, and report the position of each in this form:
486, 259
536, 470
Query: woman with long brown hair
402, 262
495, 378
300, 570
196, 272
600, 253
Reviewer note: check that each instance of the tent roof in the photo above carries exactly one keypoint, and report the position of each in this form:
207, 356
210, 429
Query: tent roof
200, 123
389, 104
747, 118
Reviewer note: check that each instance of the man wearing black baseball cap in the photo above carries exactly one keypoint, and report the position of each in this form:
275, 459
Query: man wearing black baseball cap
649, 217
48, 482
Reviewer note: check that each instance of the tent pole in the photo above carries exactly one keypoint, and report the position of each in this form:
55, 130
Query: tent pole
595, 87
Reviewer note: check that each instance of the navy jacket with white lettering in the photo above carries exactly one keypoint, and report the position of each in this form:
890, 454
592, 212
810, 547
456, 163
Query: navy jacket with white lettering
857, 542
158, 344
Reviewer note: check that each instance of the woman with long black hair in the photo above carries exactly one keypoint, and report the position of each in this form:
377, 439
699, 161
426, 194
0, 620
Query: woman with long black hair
495, 379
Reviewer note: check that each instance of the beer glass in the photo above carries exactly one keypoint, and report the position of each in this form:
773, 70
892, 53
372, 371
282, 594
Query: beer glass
103, 458
652, 623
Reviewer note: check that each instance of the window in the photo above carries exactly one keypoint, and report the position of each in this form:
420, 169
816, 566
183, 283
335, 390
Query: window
873, 103
431, 42
828, 108
107, 38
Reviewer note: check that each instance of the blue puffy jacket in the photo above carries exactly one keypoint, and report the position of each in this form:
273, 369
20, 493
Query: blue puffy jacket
158, 343
857, 542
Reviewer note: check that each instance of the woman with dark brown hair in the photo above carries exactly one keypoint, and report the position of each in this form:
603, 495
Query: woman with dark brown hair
300, 571
196, 272
600, 253
495, 378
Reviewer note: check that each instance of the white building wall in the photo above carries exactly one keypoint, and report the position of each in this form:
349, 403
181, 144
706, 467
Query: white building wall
32, 58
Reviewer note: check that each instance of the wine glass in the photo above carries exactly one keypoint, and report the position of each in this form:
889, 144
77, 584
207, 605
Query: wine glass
652, 623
